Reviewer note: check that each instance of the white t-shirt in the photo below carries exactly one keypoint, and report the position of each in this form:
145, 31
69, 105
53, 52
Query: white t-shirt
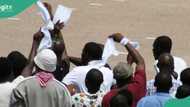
77, 76
6, 90
179, 65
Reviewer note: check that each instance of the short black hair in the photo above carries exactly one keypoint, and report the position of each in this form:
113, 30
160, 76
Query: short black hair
18, 62
163, 82
94, 79
123, 98
166, 64
185, 76
5, 69
92, 51
183, 91
162, 44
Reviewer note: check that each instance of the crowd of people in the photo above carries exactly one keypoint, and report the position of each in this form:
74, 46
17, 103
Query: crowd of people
45, 78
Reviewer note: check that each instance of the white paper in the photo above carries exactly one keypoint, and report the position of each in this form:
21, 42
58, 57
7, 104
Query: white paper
46, 41
63, 14
110, 49
45, 14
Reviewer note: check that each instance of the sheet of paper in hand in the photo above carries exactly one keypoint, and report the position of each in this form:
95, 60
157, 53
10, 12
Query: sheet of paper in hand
10, 8
63, 14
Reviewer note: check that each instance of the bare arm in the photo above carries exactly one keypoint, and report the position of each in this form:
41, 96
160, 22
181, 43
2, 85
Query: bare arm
137, 58
36, 41
63, 62
76, 61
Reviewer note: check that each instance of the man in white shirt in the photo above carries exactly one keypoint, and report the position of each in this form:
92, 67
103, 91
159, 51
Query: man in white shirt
91, 57
6, 86
163, 44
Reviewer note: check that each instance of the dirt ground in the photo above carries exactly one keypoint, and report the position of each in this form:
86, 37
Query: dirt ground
94, 20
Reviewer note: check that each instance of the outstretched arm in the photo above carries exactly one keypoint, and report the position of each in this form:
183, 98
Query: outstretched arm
63, 62
36, 41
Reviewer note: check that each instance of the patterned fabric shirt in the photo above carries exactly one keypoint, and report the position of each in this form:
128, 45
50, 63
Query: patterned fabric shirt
151, 89
87, 99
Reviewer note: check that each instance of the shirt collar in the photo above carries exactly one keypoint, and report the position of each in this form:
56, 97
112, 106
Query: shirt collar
162, 94
93, 96
96, 62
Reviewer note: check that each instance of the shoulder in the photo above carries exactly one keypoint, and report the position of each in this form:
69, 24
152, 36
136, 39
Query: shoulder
148, 100
179, 60
26, 80
62, 85
110, 94
80, 67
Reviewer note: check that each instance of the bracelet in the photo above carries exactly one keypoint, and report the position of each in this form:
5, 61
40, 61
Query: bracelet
124, 41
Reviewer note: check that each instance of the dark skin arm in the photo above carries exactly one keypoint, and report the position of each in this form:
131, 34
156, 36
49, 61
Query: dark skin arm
63, 63
36, 41
136, 57
76, 61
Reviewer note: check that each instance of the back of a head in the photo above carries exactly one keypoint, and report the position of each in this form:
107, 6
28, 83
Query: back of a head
18, 62
185, 76
183, 91
92, 51
122, 73
124, 98
163, 82
166, 64
93, 80
46, 60
162, 44
5, 69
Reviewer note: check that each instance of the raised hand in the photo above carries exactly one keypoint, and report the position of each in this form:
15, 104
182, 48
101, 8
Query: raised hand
117, 37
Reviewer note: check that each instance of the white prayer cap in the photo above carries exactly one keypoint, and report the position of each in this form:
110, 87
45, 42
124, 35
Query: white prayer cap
46, 60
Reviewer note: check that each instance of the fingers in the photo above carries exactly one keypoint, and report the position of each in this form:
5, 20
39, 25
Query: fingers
116, 37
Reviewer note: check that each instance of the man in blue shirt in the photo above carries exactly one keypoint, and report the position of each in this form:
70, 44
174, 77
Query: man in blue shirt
163, 83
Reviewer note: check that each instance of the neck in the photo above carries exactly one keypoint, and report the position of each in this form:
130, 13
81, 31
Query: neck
162, 91
93, 91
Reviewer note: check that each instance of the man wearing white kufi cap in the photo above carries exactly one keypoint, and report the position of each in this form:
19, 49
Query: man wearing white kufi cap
46, 60
42, 90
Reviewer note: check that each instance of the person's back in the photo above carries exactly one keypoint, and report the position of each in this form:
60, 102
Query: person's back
78, 75
6, 86
163, 83
55, 94
124, 98
93, 96
91, 58
157, 100
41, 90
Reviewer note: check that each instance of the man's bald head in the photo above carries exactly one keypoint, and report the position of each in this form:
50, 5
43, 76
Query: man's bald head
166, 61
166, 64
